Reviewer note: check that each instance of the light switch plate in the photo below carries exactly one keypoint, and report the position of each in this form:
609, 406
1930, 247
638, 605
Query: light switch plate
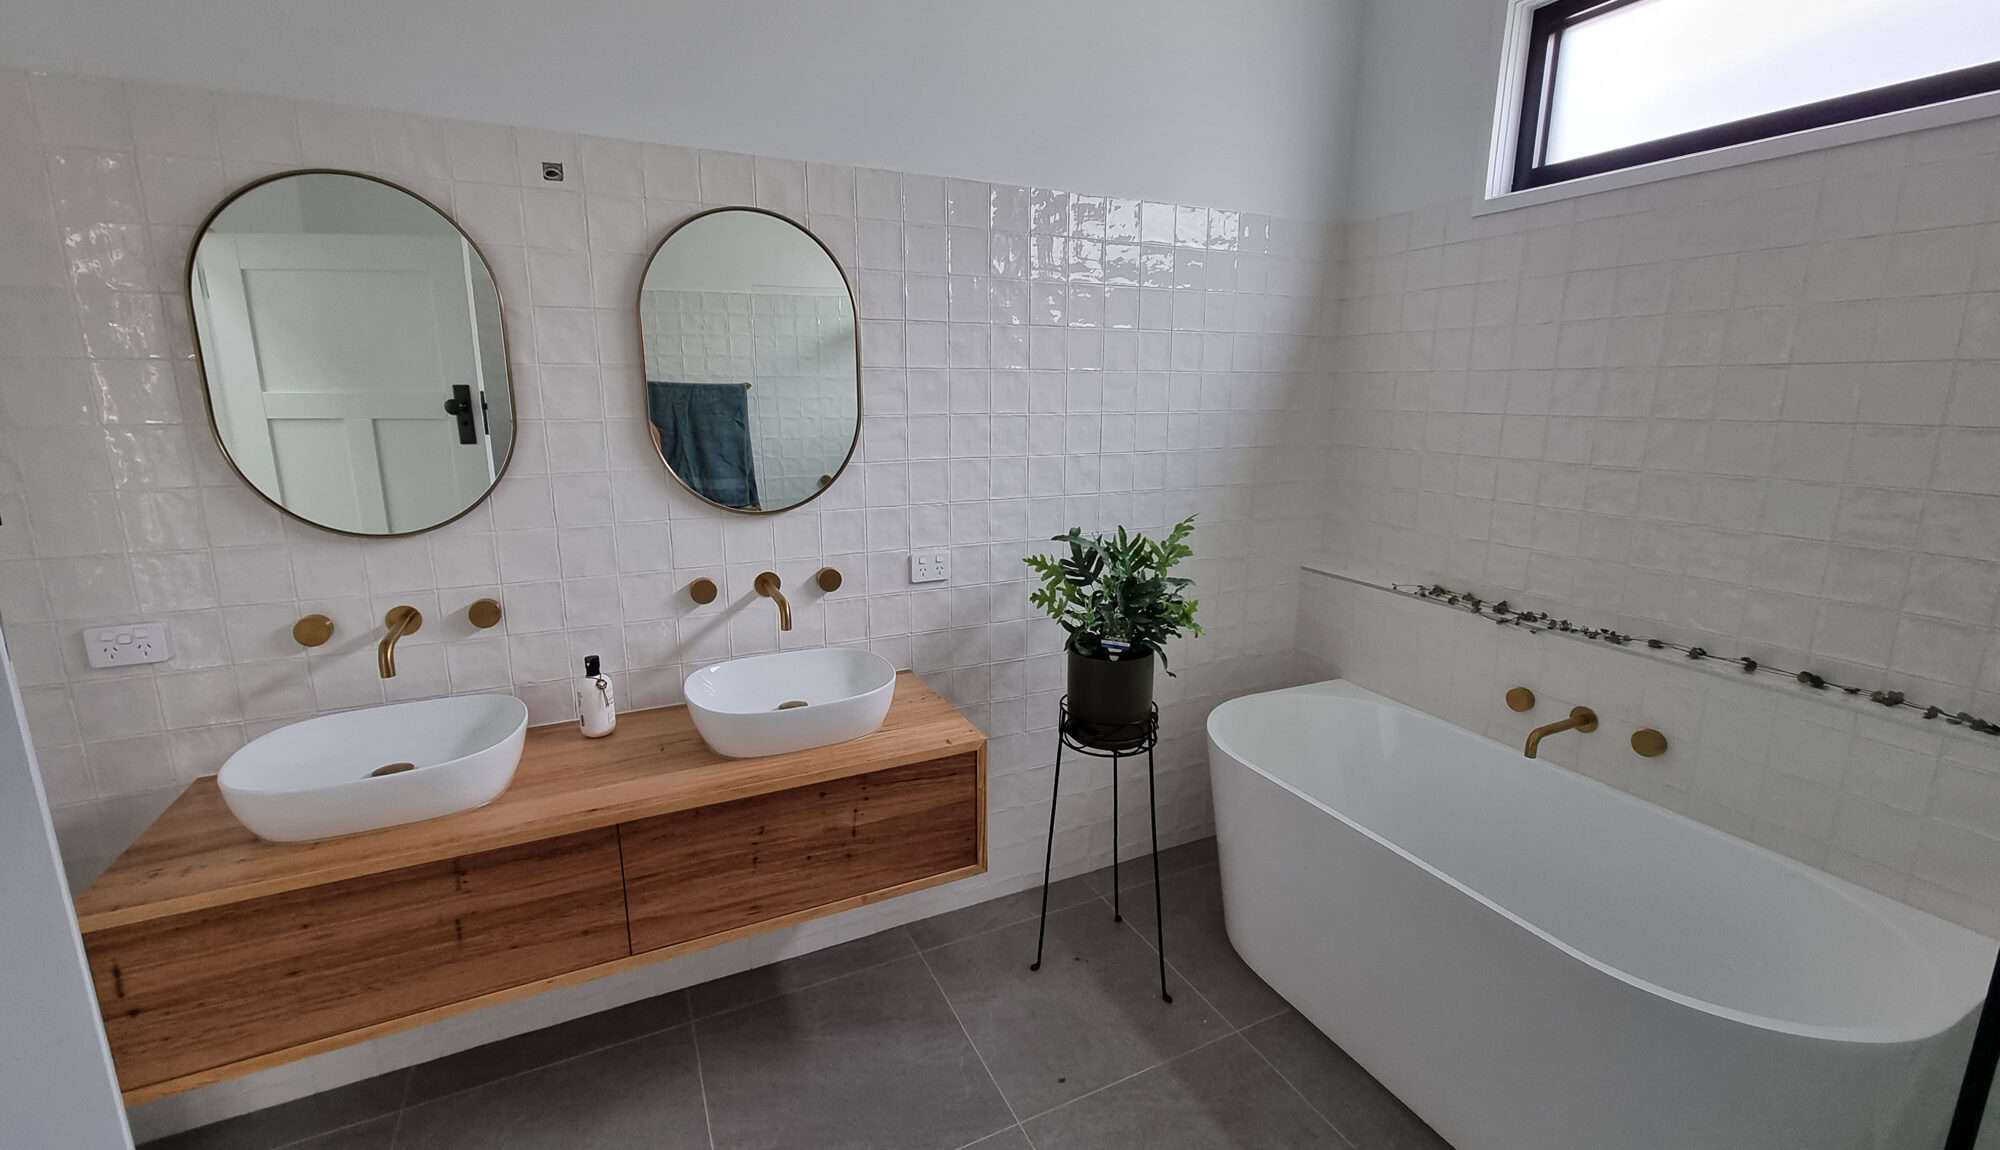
930, 566
127, 644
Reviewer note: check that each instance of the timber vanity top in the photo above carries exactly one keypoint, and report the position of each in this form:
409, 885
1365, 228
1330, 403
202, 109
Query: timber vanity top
216, 953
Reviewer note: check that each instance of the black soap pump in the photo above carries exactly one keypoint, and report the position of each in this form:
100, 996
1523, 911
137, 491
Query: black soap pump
596, 708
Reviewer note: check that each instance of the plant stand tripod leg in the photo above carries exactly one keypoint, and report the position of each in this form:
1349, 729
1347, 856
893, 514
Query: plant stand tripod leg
1159, 915
1117, 915
1048, 858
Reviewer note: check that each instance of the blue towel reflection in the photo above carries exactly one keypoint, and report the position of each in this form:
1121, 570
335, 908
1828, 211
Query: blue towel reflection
703, 431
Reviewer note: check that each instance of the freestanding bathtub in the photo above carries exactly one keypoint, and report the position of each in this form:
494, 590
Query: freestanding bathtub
1533, 960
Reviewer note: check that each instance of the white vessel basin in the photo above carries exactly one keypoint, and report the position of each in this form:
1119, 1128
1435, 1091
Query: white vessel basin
771, 704
376, 767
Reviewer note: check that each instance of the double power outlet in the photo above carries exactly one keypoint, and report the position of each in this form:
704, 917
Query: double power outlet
127, 644
930, 566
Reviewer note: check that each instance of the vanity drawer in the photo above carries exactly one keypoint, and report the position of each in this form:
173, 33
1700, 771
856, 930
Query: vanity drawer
700, 873
201, 990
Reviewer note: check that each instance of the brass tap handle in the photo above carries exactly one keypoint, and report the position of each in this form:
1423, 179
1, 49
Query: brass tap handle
828, 580
401, 620
1580, 719
312, 631
484, 613
702, 591
767, 584
1520, 699
1649, 743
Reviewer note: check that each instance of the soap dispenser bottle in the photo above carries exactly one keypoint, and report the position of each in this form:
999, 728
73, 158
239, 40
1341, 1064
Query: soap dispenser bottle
596, 709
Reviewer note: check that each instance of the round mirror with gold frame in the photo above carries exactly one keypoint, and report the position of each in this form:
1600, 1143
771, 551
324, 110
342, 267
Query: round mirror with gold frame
752, 358
352, 351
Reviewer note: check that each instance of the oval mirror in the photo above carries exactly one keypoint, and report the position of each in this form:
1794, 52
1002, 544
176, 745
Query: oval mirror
352, 352
753, 360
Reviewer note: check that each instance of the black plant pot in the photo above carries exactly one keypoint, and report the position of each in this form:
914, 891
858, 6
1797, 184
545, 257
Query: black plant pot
1111, 702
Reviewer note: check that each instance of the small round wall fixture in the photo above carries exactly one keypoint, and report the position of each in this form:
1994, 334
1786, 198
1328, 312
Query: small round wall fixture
1649, 743
1520, 699
312, 631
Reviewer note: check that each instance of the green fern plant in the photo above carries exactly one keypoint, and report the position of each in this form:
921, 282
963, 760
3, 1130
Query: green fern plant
1118, 587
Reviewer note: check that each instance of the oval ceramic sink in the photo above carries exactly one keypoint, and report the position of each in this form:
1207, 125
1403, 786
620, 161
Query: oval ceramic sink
376, 767
789, 701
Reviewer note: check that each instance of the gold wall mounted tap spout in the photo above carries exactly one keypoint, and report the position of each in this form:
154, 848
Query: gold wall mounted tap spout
401, 621
1580, 719
767, 585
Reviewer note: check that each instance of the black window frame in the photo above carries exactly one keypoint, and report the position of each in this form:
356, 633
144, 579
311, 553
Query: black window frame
1550, 21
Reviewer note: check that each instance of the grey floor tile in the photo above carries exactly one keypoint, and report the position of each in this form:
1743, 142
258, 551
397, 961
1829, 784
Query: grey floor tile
1010, 1139
1198, 944
646, 1092
1350, 1098
873, 1061
739, 990
334, 1109
1090, 1016
1003, 911
1135, 866
377, 1135
1220, 1096
511, 1056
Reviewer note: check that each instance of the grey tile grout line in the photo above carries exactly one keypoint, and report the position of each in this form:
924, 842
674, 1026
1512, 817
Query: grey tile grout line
1243, 1033
996, 1134
805, 986
510, 1077
1185, 980
397, 1114
1121, 1081
403, 1104
700, 1078
976, 1053
919, 950
915, 948
1300, 1094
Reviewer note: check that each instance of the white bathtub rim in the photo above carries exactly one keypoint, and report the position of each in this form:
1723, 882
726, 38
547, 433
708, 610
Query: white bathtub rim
1864, 900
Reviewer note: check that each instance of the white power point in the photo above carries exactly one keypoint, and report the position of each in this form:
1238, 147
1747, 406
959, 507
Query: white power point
930, 566
127, 644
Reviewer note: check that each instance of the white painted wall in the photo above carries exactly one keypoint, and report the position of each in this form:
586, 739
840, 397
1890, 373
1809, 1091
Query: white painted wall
56, 1082
1237, 103
1423, 102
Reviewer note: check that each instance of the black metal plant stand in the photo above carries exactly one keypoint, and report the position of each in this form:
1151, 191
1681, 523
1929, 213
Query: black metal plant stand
1114, 745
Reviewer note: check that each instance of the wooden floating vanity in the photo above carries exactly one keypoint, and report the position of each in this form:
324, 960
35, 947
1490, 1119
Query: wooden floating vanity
216, 953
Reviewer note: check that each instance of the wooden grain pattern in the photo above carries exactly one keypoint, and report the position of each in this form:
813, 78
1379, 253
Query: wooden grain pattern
693, 874
214, 987
231, 1070
196, 855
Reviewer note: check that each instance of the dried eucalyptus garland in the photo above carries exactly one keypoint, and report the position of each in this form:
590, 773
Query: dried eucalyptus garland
1540, 622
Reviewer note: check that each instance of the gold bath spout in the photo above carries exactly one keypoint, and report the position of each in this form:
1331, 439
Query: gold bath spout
402, 621
767, 585
1580, 719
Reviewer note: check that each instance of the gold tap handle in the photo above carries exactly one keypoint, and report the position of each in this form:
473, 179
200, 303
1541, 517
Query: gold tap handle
312, 631
484, 613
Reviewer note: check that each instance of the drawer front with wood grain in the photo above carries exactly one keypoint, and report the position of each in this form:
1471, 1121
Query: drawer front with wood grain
200, 990
717, 869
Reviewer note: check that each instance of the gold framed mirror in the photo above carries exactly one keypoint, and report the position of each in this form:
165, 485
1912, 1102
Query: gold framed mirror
353, 352
752, 354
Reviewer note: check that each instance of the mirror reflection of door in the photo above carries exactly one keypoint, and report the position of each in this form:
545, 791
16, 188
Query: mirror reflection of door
351, 344
752, 376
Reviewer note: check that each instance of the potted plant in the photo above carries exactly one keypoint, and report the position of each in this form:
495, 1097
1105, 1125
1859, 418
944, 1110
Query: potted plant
1120, 603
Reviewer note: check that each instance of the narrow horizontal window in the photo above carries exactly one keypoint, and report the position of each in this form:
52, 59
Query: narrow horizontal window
1612, 84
